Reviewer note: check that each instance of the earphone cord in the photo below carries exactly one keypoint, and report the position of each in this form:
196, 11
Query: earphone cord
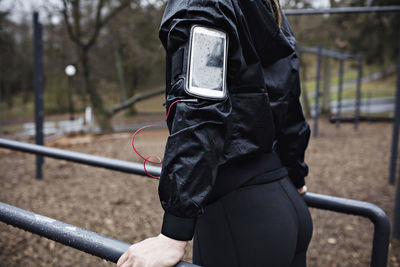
147, 159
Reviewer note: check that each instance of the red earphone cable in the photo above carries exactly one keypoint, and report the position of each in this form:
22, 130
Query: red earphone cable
145, 160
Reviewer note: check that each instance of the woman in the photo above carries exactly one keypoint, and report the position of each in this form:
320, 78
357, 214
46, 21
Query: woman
235, 156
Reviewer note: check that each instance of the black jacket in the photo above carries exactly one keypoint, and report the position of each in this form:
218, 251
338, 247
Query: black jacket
260, 115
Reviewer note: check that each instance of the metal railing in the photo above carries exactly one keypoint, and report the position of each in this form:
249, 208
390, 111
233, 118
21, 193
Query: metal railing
87, 159
380, 244
342, 10
111, 249
93, 243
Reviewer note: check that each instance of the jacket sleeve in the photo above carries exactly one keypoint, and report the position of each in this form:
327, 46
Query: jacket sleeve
293, 139
197, 129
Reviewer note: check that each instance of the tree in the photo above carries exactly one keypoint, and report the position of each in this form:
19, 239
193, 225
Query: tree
84, 32
375, 35
134, 35
15, 54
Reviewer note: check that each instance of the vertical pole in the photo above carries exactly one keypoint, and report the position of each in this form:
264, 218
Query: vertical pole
326, 98
395, 141
396, 220
38, 86
368, 104
317, 89
0, 113
358, 93
70, 102
340, 92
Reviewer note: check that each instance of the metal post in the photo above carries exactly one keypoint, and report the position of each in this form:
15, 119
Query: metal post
378, 217
70, 102
342, 10
340, 92
395, 137
358, 93
93, 243
38, 87
396, 220
316, 109
368, 103
0, 114
326, 98
87, 159
348, 206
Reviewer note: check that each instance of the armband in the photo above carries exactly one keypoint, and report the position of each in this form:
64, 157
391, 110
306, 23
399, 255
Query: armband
206, 75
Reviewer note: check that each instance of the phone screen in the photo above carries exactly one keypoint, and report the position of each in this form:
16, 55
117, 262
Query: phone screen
207, 62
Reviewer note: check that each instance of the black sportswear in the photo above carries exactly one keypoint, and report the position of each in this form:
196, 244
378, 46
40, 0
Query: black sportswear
216, 143
260, 224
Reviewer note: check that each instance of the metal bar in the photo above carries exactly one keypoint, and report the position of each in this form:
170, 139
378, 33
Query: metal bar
1, 130
360, 208
70, 102
328, 52
38, 87
107, 163
358, 92
361, 118
90, 242
316, 109
340, 92
395, 137
396, 220
111, 249
378, 217
342, 10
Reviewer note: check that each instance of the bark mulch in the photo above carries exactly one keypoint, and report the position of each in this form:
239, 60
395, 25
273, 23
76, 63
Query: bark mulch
342, 163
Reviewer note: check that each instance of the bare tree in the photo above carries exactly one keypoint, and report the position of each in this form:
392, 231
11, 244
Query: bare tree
85, 39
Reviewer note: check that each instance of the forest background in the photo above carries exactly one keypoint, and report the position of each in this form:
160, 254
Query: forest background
115, 47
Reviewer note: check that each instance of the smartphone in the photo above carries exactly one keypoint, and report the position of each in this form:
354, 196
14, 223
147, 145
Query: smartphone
207, 63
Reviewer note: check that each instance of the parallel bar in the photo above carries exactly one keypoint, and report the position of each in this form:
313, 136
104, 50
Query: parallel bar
342, 10
8, 215
93, 243
1, 131
111, 249
358, 93
328, 52
70, 101
107, 163
396, 220
340, 92
361, 118
360, 208
317, 91
38, 87
396, 125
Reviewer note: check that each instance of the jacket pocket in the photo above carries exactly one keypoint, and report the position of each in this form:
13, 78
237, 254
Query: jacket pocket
253, 127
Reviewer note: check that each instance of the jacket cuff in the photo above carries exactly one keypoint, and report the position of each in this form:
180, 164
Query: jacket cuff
298, 183
177, 227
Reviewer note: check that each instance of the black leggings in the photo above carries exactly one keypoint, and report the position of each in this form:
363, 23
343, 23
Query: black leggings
256, 225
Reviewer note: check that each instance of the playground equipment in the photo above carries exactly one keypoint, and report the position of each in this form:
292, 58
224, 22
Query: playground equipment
100, 246
341, 57
69, 235
38, 87
396, 124
111, 249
